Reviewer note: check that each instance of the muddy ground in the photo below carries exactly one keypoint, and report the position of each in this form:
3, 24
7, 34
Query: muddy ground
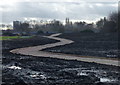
30, 70
90, 44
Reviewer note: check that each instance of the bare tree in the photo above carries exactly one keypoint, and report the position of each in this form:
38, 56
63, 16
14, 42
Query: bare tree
115, 17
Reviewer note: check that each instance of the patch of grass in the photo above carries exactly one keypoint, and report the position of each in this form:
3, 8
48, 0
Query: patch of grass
13, 37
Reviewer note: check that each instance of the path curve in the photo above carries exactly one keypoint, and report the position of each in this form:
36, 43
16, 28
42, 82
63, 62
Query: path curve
37, 51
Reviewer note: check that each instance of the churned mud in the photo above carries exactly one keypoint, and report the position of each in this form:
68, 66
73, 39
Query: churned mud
30, 70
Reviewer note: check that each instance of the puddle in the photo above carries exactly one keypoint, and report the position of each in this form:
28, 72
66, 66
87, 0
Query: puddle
15, 67
106, 80
82, 74
111, 55
36, 76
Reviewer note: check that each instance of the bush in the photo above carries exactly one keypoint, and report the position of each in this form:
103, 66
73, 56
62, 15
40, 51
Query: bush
87, 31
40, 32
8, 34
109, 26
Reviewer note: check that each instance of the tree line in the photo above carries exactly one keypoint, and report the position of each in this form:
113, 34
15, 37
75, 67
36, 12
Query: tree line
111, 24
104, 25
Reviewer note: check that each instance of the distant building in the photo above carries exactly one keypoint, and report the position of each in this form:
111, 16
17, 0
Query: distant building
16, 25
68, 24
67, 21
20, 27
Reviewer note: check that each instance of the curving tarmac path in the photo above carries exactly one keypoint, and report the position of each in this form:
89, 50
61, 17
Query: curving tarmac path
37, 51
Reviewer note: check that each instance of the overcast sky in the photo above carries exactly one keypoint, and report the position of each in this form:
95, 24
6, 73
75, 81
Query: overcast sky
56, 9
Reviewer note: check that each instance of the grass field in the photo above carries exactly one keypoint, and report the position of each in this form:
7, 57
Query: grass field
12, 37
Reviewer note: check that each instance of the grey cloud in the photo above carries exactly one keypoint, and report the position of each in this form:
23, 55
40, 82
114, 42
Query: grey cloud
56, 10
